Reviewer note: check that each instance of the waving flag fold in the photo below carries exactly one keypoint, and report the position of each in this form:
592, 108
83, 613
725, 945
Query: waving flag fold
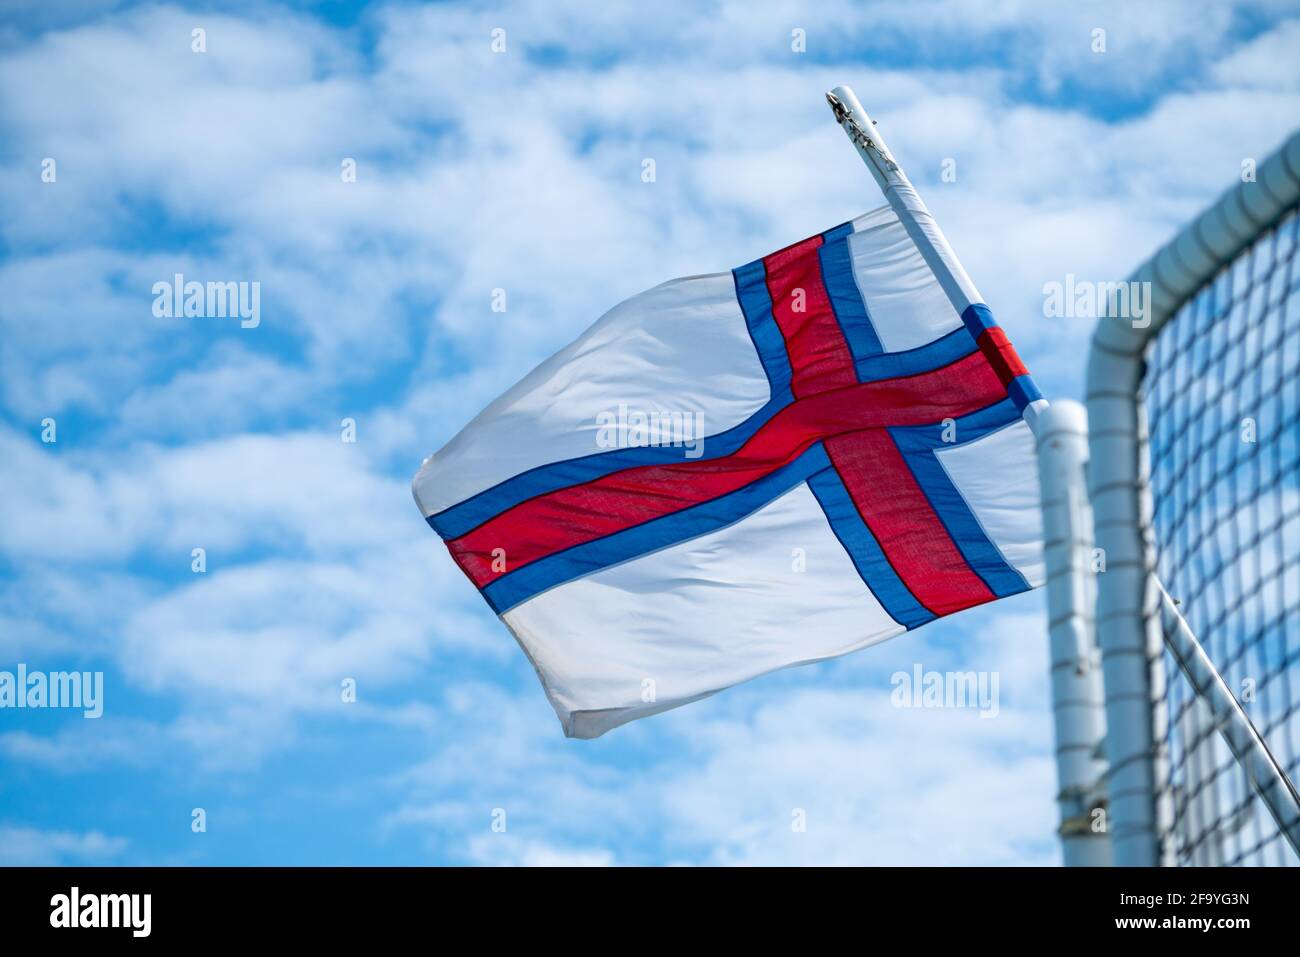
735, 473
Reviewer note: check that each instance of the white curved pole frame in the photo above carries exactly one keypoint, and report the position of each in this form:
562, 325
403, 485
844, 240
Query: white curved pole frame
1129, 598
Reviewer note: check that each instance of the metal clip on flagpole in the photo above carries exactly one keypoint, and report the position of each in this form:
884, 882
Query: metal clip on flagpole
1266, 776
847, 110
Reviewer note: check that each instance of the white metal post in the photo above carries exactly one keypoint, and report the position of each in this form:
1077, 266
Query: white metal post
1127, 630
1078, 706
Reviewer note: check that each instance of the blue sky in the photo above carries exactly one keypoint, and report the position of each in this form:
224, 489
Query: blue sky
518, 170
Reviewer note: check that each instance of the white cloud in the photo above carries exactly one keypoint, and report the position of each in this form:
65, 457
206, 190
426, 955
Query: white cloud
462, 190
289, 633
871, 784
523, 171
87, 745
317, 570
720, 782
1267, 62
505, 850
299, 492
33, 847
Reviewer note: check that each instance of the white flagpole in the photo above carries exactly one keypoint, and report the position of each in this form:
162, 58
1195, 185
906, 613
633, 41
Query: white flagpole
1244, 741
902, 196
910, 209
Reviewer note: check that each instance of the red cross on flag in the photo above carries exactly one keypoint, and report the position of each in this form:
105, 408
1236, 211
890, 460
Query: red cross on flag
735, 473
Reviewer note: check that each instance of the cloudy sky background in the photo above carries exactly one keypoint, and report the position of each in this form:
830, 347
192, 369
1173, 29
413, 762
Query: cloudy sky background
518, 170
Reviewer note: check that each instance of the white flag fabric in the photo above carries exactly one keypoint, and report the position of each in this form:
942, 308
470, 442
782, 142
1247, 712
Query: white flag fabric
735, 473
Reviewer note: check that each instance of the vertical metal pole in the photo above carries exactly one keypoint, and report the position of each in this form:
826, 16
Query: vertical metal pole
1266, 776
1126, 613
1078, 706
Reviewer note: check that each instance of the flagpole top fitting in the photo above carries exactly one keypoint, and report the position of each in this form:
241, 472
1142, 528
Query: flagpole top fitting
841, 114
847, 112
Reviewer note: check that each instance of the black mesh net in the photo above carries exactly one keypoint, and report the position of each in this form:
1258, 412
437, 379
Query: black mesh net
1222, 395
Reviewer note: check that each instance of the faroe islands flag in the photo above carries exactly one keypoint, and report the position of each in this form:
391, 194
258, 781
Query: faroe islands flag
735, 473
